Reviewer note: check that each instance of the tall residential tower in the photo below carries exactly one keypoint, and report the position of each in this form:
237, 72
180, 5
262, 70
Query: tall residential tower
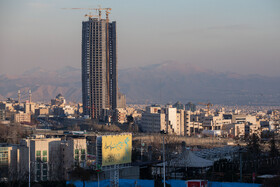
99, 65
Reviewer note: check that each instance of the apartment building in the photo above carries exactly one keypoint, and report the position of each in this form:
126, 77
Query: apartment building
73, 153
20, 116
169, 119
153, 120
120, 115
8, 161
51, 158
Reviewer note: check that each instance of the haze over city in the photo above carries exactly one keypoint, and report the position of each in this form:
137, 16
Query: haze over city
140, 93
225, 36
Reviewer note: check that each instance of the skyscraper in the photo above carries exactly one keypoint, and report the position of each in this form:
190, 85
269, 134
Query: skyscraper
99, 65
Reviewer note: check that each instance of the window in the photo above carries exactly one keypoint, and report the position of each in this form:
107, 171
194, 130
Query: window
38, 166
38, 153
77, 157
45, 159
38, 177
83, 157
38, 156
45, 153
83, 154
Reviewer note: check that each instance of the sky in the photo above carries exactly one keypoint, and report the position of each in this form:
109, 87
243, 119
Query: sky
239, 36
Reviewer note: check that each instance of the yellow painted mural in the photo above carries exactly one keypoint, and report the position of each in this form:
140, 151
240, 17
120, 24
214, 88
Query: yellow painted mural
116, 149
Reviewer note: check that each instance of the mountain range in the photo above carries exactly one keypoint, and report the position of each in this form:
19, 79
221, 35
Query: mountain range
159, 83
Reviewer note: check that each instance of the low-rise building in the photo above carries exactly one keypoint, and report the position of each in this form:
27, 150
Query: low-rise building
120, 114
153, 120
20, 117
42, 111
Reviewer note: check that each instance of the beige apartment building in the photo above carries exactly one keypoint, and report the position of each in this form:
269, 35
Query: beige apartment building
120, 115
43, 153
42, 111
51, 158
21, 117
192, 124
243, 119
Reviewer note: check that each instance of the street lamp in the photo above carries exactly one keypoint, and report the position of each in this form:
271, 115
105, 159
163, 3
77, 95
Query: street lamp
241, 151
163, 156
29, 163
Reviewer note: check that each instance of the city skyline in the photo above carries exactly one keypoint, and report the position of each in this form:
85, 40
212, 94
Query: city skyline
234, 36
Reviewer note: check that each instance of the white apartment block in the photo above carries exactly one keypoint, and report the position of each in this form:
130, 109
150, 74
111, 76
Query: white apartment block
243, 119
153, 120
156, 119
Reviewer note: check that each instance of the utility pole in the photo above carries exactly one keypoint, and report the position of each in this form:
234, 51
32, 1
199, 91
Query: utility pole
240, 154
241, 163
29, 165
163, 156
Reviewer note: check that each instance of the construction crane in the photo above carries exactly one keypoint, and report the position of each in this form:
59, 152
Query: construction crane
208, 106
90, 15
107, 11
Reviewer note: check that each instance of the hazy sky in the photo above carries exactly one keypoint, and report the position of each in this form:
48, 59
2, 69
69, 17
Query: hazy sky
241, 36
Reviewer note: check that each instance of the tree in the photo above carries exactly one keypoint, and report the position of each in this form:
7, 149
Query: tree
253, 146
130, 119
80, 173
273, 149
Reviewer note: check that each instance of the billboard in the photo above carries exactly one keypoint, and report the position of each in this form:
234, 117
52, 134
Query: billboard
116, 149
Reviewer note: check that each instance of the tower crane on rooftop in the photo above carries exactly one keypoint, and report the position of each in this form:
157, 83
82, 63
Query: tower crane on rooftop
208, 106
107, 11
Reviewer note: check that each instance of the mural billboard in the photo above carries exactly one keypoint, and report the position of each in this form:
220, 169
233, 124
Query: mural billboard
116, 149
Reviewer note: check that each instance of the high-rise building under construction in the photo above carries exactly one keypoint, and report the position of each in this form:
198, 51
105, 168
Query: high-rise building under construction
99, 65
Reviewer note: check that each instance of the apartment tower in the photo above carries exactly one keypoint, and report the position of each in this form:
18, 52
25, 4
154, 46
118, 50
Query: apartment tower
99, 65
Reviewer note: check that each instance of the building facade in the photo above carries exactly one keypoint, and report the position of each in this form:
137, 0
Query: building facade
99, 66
51, 158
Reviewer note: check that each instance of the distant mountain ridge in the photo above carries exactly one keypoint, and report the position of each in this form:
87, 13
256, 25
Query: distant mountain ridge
44, 84
157, 83
171, 82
